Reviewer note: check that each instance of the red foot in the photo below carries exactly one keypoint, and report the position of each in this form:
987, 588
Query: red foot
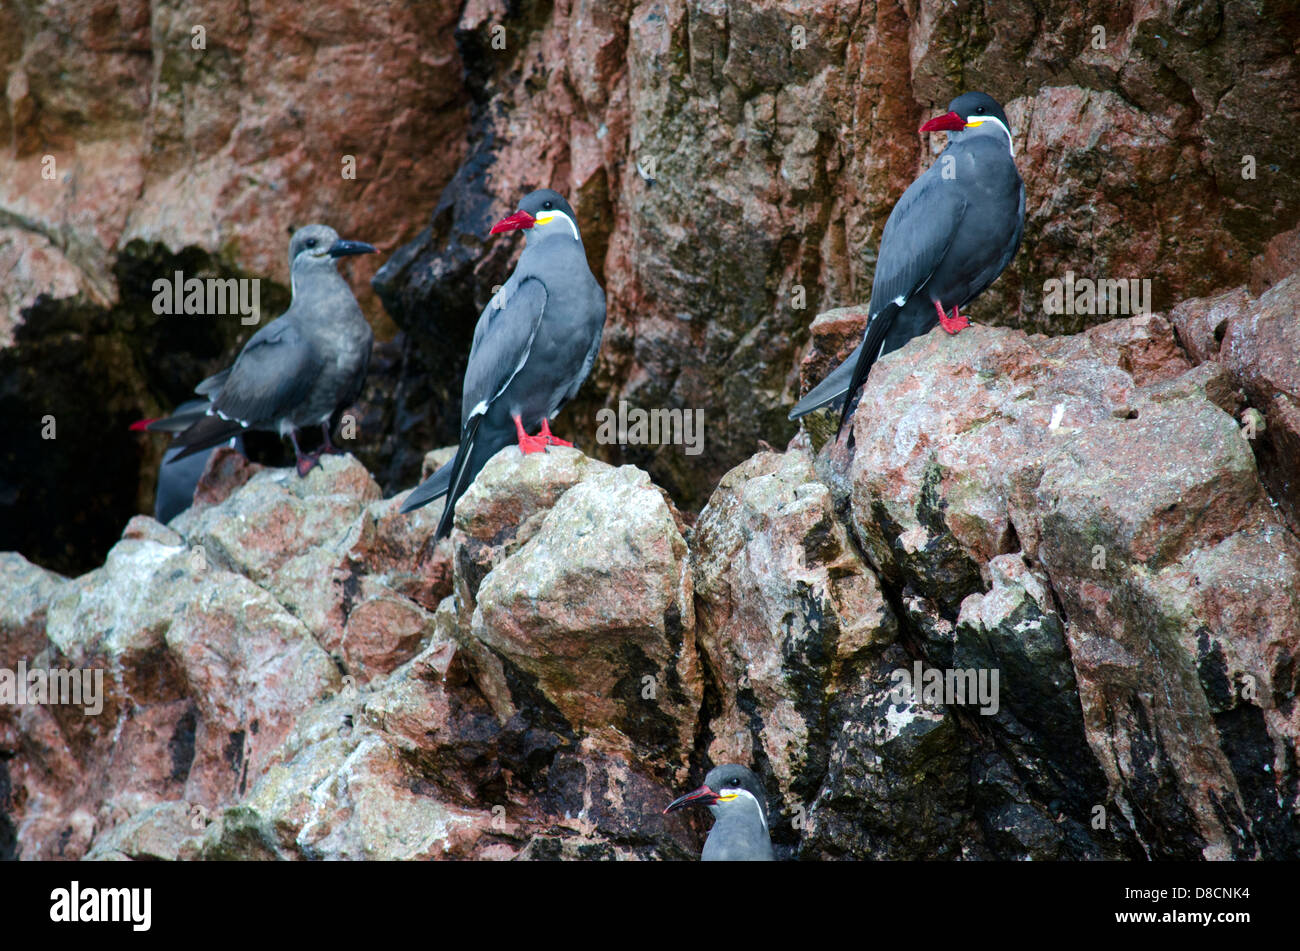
954, 324
528, 443
307, 463
141, 425
550, 439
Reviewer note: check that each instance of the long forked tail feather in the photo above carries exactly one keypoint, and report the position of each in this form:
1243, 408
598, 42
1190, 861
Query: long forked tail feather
206, 432
181, 419
832, 388
877, 326
461, 475
458, 482
432, 488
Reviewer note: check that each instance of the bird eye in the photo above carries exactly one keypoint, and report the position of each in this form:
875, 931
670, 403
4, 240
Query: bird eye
980, 110
546, 204
311, 242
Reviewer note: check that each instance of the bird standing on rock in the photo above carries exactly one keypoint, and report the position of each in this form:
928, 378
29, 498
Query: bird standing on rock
534, 345
955, 229
739, 804
298, 370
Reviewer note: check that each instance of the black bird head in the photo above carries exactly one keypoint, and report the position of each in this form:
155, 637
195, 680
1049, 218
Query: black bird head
969, 111
542, 213
727, 787
319, 246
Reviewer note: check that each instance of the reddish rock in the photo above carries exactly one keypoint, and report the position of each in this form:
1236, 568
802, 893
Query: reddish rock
773, 179
1259, 349
787, 612
505, 506
1278, 261
28, 590
158, 833
985, 472
619, 667
1255, 340
226, 471
1116, 470
34, 266
832, 337
284, 682
359, 573
398, 547
774, 176
931, 503
200, 668
1202, 322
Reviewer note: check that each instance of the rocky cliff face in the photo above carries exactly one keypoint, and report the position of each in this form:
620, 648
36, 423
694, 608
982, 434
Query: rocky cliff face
1105, 517
779, 135
195, 136
293, 671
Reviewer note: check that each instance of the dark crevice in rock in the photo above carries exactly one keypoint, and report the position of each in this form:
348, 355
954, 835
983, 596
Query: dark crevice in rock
1166, 825
8, 831
1269, 796
808, 662
710, 710
181, 744
533, 737
644, 719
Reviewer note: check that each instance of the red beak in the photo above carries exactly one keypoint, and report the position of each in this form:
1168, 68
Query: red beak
520, 219
951, 122
141, 424
704, 796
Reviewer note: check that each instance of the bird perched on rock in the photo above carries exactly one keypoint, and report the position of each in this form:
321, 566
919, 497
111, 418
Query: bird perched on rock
178, 479
955, 229
534, 345
298, 370
739, 806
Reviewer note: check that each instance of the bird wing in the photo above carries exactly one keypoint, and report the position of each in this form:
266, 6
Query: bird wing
213, 384
589, 361
503, 340
917, 236
273, 374
1006, 258
358, 381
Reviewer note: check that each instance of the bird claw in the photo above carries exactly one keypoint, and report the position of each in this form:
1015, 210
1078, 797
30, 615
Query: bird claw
954, 324
529, 444
307, 463
551, 439
539, 442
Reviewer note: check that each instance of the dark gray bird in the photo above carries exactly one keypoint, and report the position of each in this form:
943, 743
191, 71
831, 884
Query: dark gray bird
534, 345
739, 806
955, 229
177, 479
298, 370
